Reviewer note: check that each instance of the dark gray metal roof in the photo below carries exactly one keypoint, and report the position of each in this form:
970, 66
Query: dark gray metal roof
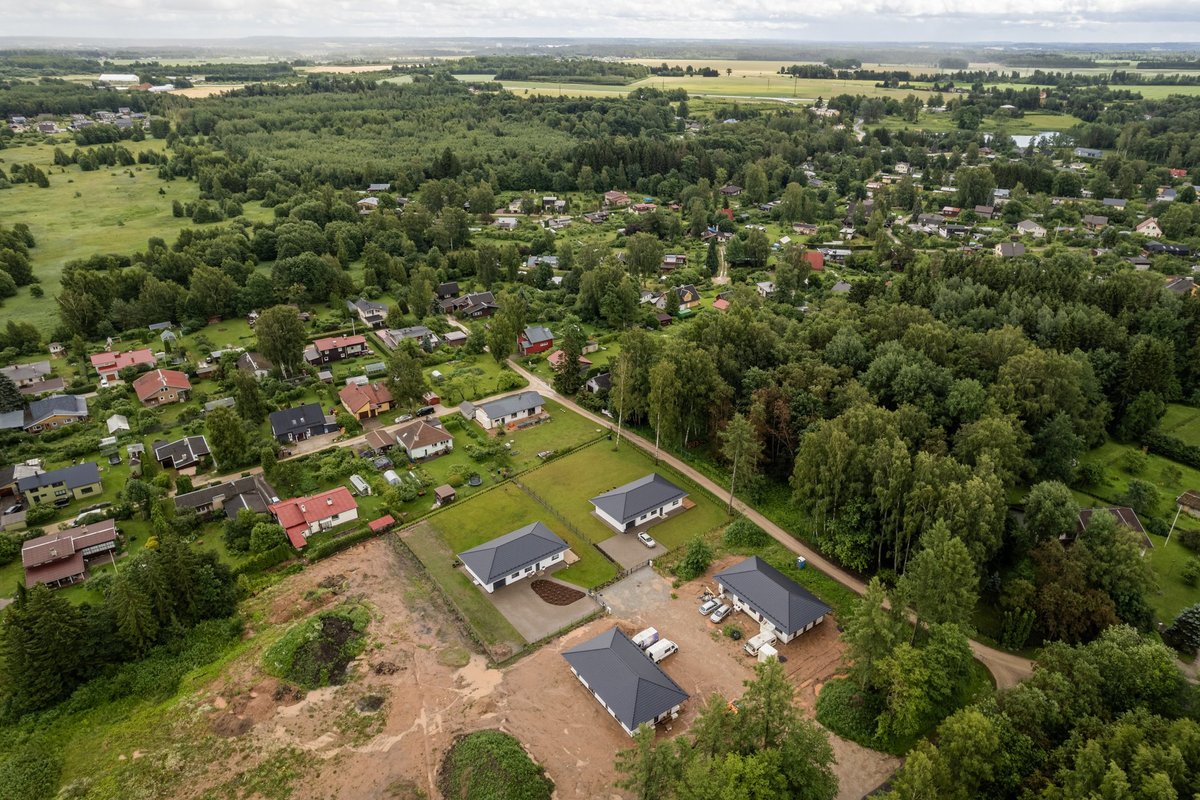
538, 333
512, 404
512, 552
635, 498
629, 683
56, 404
299, 418
786, 604
73, 477
182, 452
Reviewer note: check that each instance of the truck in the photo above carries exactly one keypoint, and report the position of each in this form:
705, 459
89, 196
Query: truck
645, 638
755, 643
661, 649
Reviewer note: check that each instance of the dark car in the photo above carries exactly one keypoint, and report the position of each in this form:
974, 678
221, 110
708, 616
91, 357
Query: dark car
425, 411
383, 462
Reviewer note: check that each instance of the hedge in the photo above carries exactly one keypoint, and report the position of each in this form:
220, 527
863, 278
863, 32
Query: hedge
265, 560
326, 549
1172, 447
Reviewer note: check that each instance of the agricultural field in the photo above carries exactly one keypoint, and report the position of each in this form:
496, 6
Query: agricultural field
109, 210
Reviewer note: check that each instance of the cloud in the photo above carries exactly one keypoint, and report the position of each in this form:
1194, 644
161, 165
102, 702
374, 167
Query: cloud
843, 20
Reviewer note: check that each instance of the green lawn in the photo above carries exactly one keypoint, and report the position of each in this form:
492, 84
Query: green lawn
484, 618
568, 483
468, 377
472, 522
1182, 422
110, 210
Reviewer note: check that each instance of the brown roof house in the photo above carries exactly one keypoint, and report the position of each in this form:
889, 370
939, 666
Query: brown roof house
1125, 517
366, 401
161, 386
421, 440
61, 558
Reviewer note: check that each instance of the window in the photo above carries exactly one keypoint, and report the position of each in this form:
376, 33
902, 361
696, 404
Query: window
87, 490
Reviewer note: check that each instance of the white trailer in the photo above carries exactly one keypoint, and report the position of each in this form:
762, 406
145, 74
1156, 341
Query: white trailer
755, 643
765, 652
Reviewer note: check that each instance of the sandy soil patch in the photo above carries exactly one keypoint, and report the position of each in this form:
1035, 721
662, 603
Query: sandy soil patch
208, 90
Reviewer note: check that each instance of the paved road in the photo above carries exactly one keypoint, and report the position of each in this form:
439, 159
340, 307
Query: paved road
1007, 669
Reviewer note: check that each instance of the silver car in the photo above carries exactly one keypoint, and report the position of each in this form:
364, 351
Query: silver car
709, 606
721, 613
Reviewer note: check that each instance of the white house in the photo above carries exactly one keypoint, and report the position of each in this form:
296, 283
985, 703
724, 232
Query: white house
779, 604
509, 558
423, 440
303, 516
1149, 227
638, 502
504, 411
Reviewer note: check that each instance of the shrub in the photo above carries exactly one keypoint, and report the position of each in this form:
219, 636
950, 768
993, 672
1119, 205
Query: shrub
1190, 540
1190, 574
39, 514
30, 773
744, 533
491, 765
317, 651
1184, 632
849, 712
326, 549
1134, 462
695, 561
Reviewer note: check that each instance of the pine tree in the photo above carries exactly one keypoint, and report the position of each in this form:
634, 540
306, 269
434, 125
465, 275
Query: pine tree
39, 647
131, 609
11, 398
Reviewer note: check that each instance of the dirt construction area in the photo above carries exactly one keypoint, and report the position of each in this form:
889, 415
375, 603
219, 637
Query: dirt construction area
418, 685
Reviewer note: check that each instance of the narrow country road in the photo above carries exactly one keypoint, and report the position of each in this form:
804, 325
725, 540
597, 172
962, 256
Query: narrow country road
1007, 669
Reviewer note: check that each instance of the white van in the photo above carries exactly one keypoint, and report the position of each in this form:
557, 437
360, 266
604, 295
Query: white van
646, 638
755, 643
661, 649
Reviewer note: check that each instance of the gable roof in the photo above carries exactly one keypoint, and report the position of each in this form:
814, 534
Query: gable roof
505, 406
628, 502
300, 513
117, 361
253, 361
150, 383
73, 476
299, 418
688, 293
55, 405
328, 343
537, 333
24, 372
1124, 515
784, 603
512, 552
372, 394
624, 678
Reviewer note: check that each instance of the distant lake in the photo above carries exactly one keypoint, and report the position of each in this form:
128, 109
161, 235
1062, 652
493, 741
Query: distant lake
1025, 139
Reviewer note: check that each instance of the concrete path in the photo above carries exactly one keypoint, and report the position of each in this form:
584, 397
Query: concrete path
1007, 669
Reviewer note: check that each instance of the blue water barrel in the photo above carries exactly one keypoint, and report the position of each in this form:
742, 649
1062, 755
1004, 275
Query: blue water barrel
801, 562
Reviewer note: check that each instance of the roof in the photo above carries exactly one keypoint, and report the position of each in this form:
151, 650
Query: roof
355, 397
254, 361
1124, 515
382, 523
784, 603
512, 552
687, 293
151, 383
628, 502
1189, 499
182, 452
334, 342
505, 406
55, 405
299, 514
62, 544
537, 333
421, 434
252, 492
73, 477
624, 678
291, 419
602, 382
26, 372
117, 361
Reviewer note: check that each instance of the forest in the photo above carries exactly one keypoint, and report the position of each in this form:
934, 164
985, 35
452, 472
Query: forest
927, 426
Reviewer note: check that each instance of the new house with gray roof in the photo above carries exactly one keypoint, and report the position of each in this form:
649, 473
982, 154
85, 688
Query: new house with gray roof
504, 411
623, 679
513, 556
638, 502
775, 601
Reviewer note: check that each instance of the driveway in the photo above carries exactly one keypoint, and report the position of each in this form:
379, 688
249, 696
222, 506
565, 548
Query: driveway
1006, 668
532, 616
628, 551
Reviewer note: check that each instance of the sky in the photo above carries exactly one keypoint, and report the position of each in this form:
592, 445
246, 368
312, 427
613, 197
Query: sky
823, 20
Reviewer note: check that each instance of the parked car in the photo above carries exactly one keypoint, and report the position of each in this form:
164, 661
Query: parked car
661, 649
709, 607
425, 411
647, 539
14, 508
721, 613
403, 418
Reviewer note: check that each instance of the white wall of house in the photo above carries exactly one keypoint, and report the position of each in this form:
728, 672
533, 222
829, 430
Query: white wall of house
665, 715
430, 450
334, 521
653, 513
615, 523
487, 422
527, 572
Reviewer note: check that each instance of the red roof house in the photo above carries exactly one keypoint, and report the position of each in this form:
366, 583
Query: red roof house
721, 304
364, 402
335, 348
815, 259
109, 364
162, 386
303, 516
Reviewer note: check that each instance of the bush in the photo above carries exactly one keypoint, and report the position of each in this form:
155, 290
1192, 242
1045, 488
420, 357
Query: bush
266, 560
743, 533
1173, 448
30, 773
317, 651
326, 549
1190, 540
39, 514
491, 765
849, 712
1184, 632
1190, 574
695, 561
1134, 462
